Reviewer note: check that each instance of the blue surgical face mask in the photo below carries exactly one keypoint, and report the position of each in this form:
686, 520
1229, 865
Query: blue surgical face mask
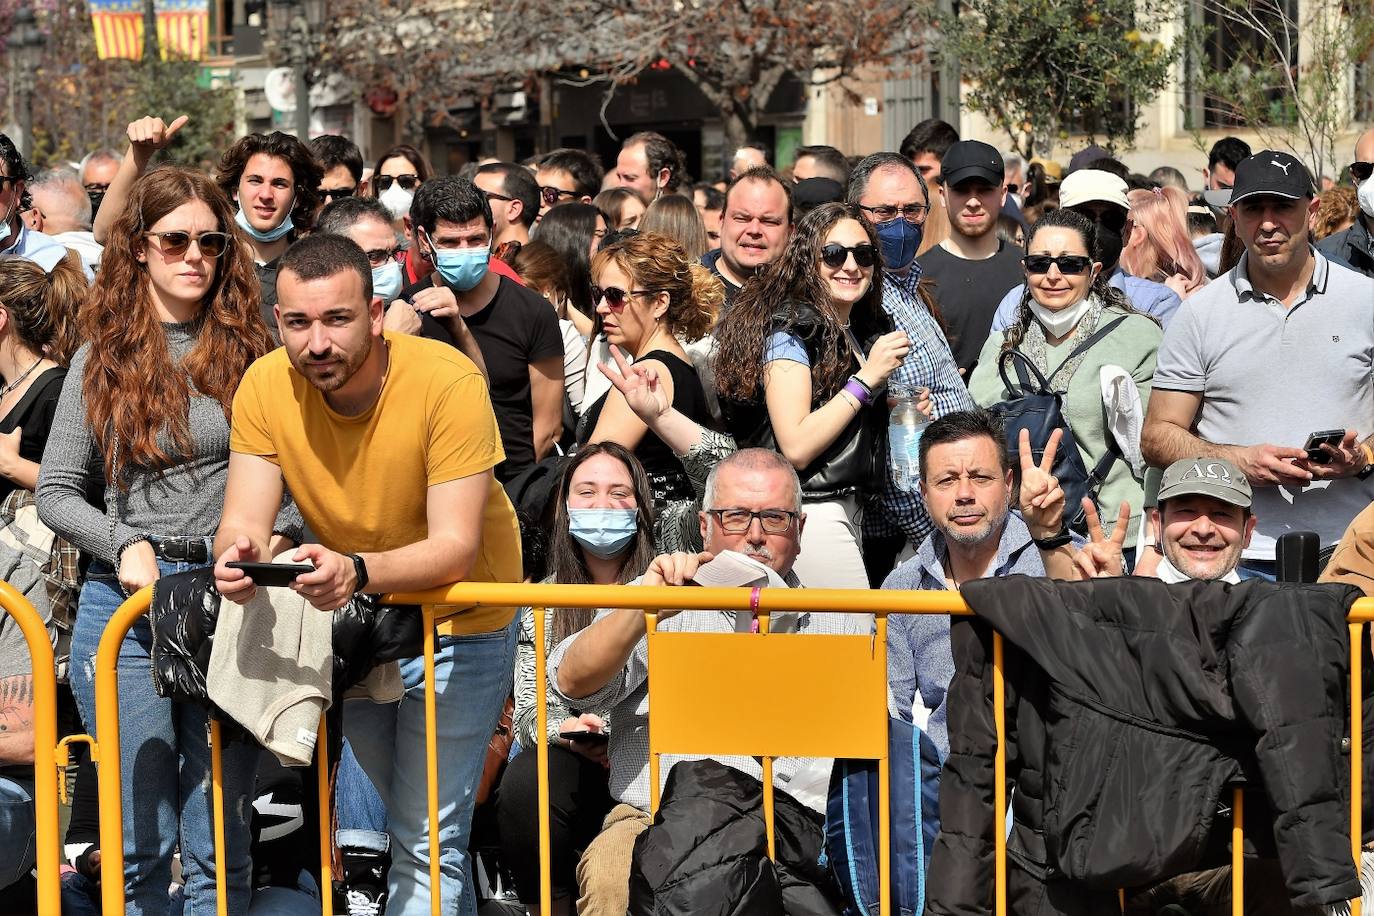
271, 235
603, 532
386, 281
899, 240
461, 268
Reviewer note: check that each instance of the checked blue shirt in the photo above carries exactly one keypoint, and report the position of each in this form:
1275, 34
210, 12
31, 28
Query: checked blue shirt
928, 364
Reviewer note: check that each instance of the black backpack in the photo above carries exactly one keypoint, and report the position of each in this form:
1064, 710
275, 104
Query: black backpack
1039, 409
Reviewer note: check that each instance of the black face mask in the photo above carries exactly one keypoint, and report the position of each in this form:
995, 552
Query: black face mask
96, 197
1110, 227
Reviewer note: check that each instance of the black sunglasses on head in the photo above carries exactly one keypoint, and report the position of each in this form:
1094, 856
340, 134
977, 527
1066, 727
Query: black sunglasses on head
1360, 171
407, 182
174, 244
1068, 264
835, 255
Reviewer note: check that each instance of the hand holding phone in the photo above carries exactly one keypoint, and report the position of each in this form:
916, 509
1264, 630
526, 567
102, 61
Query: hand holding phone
272, 575
1315, 453
585, 737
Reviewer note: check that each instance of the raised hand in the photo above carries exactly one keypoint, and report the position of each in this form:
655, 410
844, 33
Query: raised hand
147, 135
1042, 499
1102, 557
639, 385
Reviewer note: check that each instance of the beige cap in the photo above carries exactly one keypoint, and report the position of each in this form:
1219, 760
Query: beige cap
1086, 185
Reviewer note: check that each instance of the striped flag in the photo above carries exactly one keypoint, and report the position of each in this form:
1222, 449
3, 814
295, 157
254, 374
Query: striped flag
118, 28
183, 28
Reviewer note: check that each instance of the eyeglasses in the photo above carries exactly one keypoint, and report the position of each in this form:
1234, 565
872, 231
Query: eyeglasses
407, 182
912, 213
737, 521
835, 255
551, 195
615, 296
7, 180
379, 256
175, 244
96, 188
1068, 264
337, 193
492, 195
1360, 171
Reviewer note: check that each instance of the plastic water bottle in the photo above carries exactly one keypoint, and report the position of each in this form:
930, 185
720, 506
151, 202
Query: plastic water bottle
905, 425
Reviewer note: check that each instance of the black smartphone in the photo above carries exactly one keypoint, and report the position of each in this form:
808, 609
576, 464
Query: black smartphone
273, 575
1331, 437
585, 737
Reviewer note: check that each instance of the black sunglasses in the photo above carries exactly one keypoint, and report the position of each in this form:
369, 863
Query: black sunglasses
551, 195
615, 296
174, 244
834, 255
1360, 171
407, 182
337, 193
1068, 264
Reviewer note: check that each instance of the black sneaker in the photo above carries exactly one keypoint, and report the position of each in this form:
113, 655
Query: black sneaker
365, 881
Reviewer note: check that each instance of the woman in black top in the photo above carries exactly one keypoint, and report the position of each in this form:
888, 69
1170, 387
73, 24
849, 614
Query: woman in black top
801, 367
37, 318
650, 296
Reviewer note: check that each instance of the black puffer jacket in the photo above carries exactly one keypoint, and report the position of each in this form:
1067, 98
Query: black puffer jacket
707, 851
1131, 706
185, 608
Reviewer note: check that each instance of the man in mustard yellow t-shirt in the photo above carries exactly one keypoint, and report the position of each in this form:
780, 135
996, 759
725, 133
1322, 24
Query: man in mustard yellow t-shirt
387, 444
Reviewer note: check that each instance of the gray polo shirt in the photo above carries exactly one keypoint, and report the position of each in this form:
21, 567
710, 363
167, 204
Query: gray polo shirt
1270, 374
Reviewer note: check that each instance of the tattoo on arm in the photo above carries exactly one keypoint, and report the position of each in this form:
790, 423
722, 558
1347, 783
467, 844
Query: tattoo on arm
16, 705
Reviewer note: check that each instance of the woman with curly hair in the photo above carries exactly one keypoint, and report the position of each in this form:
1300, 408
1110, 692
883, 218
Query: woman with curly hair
170, 326
650, 297
817, 395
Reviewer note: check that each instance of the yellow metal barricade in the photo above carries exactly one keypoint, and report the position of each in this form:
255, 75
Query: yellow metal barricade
439, 604
45, 772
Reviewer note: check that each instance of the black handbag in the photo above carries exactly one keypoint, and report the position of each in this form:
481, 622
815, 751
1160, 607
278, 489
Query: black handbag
1039, 409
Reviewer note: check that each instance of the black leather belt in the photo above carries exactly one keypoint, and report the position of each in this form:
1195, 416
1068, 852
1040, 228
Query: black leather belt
181, 549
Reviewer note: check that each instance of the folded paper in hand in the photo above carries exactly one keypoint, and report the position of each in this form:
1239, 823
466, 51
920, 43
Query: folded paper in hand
731, 569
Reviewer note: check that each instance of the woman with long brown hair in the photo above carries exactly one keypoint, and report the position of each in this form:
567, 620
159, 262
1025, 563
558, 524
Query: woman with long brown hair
602, 534
170, 327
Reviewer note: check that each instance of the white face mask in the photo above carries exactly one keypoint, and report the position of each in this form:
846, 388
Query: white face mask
1366, 195
397, 200
1062, 322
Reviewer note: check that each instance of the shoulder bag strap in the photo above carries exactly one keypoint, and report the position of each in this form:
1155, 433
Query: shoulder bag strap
1088, 344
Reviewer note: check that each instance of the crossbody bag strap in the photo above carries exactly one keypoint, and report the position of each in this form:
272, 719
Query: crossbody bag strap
1088, 344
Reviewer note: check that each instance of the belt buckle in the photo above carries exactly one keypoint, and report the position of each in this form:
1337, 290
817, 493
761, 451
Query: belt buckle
172, 549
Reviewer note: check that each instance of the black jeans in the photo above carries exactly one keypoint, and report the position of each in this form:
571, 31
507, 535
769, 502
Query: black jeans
579, 800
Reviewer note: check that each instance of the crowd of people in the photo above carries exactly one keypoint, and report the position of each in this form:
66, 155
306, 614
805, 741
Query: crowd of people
389, 380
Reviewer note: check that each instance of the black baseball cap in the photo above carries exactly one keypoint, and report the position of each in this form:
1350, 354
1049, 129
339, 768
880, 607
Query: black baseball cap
969, 159
1271, 172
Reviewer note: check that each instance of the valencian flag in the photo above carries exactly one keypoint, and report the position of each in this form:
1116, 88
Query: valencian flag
183, 28
118, 28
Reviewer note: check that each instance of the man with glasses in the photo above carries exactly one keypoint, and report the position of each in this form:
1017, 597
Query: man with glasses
1355, 246
755, 224
568, 174
1277, 349
451, 226
514, 199
342, 162
96, 172
892, 196
1101, 197
753, 507
62, 211
15, 237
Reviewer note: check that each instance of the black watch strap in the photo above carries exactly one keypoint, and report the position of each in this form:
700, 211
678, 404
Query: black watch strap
1054, 541
360, 571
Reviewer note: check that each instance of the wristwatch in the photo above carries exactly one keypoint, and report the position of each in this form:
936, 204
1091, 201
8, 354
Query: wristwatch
1368, 468
1054, 541
359, 571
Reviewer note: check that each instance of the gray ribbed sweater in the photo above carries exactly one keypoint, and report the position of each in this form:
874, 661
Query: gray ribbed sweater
185, 499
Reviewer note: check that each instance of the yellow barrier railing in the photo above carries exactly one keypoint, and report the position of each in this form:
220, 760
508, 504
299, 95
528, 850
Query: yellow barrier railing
438, 604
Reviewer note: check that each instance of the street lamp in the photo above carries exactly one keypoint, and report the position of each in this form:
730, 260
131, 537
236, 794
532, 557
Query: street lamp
306, 15
26, 43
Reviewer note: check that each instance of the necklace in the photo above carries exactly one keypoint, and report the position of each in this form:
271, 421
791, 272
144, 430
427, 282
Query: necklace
19, 381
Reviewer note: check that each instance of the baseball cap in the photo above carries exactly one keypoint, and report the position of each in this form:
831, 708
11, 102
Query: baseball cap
1053, 170
1214, 477
1086, 157
1087, 185
1271, 172
970, 159
810, 193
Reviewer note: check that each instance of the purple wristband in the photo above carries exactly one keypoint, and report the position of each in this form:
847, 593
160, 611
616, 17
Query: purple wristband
861, 394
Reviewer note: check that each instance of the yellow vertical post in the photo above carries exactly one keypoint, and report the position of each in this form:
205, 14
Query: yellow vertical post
651, 624
1356, 749
326, 822
999, 779
45, 773
884, 792
1238, 853
217, 812
541, 730
768, 806
431, 759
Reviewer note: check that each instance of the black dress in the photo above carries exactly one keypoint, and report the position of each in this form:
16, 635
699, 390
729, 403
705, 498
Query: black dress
33, 414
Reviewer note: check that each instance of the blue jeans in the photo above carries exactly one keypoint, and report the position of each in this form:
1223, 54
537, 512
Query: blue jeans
164, 759
1258, 569
17, 828
362, 816
472, 680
